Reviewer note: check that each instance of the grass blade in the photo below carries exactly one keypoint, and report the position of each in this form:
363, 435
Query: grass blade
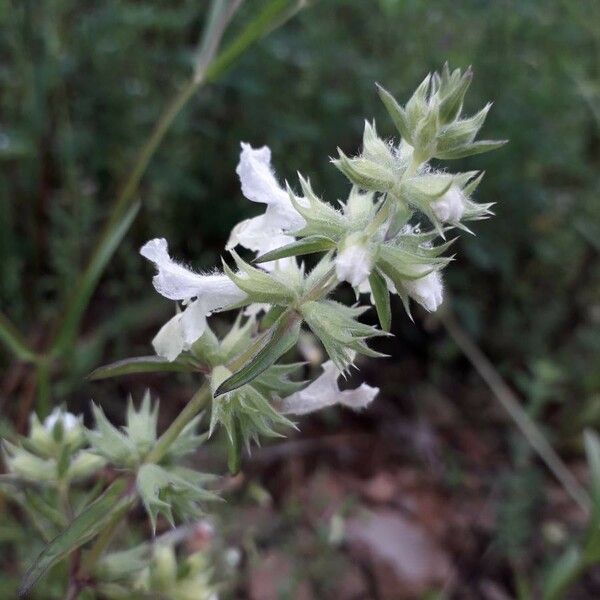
14, 341
81, 530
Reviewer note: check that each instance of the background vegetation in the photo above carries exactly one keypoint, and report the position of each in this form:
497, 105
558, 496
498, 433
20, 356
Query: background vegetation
82, 84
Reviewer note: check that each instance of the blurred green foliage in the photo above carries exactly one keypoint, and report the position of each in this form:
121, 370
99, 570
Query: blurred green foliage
83, 82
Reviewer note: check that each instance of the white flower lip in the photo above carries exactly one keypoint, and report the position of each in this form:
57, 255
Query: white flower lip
354, 264
428, 291
69, 421
180, 332
324, 391
259, 184
176, 282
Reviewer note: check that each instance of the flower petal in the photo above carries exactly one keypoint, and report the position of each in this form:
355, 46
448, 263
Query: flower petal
324, 391
69, 420
168, 342
428, 291
260, 185
176, 282
353, 264
257, 177
450, 208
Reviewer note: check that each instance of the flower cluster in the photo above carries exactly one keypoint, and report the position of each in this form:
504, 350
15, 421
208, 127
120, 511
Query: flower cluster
389, 237
55, 452
382, 240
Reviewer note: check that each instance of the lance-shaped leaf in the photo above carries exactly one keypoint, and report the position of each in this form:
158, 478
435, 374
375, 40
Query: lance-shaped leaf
140, 364
321, 218
308, 245
381, 296
396, 112
470, 149
366, 174
81, 530
271, 346
275, 380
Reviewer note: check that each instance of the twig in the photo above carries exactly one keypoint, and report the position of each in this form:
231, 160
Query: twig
191, 409
511, 404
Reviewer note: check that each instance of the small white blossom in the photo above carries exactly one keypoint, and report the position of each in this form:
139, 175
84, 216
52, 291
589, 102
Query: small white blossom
176, 282
180, 332
69, 421
353, 264
324, 391
269, 230
450, 208
428, 291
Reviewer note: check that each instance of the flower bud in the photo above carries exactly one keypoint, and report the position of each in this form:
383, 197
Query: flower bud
450, 207
59, 429
428, 291
27, 465
355, 261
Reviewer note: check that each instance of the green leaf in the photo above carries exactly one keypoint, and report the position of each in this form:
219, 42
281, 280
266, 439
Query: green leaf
396, 112
381, 295
308, 245
471, 149
273, 15
81, 530
273, 344
139, 364
562, 574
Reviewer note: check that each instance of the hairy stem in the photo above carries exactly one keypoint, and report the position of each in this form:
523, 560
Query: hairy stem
198, 401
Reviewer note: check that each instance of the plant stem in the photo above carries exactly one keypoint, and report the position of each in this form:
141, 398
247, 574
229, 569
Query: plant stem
43, 388
208, 68
14, 341
511, 404
104, 250
197, 402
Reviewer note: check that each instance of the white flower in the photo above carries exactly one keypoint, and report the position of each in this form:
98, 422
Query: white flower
176, 282
269, 230
69, 421
428, 291
353, 264
451, 206
260, 185
180, 332
324, 391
